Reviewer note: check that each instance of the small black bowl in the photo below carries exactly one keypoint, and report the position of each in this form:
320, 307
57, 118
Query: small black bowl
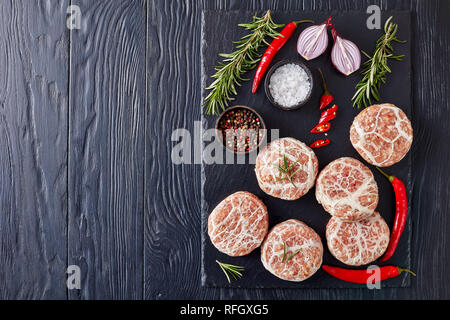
219, 134
269, 75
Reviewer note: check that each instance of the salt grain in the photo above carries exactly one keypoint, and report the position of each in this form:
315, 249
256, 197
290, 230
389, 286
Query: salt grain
289, 85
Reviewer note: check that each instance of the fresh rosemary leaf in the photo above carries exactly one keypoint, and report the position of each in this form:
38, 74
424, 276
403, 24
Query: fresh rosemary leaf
287, 170
285, 257
284, 251
285, 161
293, 174
292, 255
229, 269
376, 67
230, 71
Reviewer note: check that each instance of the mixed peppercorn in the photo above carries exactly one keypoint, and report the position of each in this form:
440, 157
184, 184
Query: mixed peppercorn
241, 129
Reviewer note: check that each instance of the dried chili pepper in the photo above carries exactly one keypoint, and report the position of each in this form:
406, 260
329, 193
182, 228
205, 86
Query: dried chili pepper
328, 114
363, 276
326, 97
321, 127
320, 143
401, 213
272, 50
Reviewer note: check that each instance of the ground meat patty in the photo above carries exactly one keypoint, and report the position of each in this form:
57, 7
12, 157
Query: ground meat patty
297, 236
359, 242
238, 224
347, 189
382, 134
278, 184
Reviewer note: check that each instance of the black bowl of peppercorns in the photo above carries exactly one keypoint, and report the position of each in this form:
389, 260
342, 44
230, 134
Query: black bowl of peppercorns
240, 129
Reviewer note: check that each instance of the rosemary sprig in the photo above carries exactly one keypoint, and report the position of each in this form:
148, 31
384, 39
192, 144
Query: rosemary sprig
287, 170
376, 67
292, 255
285, 257
234, 271
234, 65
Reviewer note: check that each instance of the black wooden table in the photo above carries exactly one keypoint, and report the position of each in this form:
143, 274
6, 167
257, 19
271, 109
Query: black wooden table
86, 177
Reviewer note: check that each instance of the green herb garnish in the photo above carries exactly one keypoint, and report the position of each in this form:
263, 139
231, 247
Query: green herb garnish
292, 255
376, 67
287, 170
245, 58
235, 271
285, 257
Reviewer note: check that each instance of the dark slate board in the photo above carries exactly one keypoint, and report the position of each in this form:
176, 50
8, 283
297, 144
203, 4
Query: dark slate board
218, 181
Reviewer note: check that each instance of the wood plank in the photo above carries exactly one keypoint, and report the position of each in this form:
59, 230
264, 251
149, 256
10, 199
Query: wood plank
172, 197
33, 147
431, 113
106, 145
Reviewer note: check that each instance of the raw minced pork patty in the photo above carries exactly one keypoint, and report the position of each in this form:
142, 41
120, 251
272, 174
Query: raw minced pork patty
238, 224
297, 236
360, 242
268, 173
382, 134
347, 189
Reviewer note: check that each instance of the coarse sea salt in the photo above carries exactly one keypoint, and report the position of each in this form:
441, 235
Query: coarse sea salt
289, 85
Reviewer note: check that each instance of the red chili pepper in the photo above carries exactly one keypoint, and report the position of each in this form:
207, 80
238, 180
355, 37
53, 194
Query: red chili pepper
272, 50
326, 97
328, 114
401, 213
362, 276
320, 143
321, 127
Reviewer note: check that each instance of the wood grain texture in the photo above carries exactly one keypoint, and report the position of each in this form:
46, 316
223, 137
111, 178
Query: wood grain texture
33, 149
172, 200
106, 149
172, 208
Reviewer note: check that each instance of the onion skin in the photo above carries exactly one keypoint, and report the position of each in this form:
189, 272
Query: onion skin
345, 56
313, 41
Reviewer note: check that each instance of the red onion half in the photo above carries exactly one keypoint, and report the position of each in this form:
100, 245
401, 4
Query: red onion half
313, 41
345, 55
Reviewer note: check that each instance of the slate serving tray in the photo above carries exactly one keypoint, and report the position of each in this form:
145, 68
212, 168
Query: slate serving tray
220, 180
